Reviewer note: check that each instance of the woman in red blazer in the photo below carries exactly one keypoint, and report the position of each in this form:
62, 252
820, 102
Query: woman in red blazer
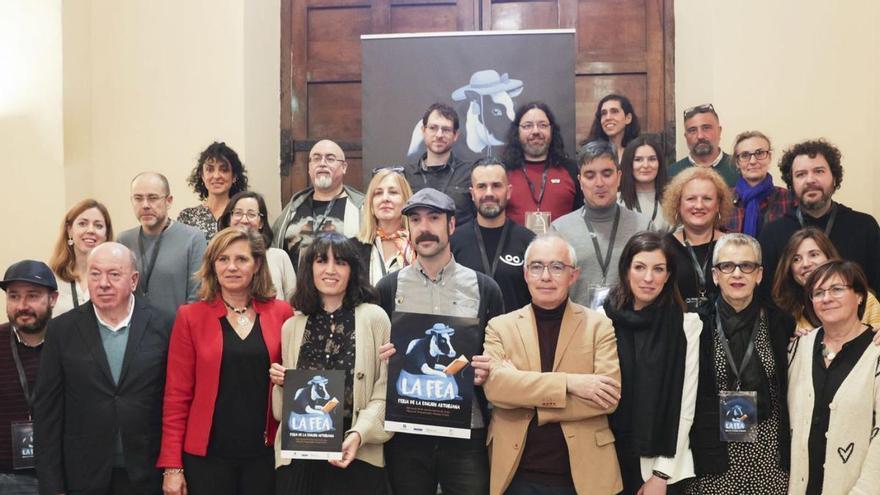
217, 425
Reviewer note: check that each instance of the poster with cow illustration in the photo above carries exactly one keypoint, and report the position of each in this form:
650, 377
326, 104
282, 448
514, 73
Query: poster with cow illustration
311, 414
430, 380
483, 75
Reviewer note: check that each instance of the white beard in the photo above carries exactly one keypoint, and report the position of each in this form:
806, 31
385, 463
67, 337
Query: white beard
323, 182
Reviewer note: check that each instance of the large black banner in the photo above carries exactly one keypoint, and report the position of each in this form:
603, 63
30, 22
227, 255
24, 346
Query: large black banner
484, 75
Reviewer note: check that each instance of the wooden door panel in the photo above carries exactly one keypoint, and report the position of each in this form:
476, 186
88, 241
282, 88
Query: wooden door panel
619, 32
511, 16
424, 18
335, 111
334, 35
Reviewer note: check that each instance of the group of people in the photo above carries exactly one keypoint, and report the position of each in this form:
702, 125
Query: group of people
645, 329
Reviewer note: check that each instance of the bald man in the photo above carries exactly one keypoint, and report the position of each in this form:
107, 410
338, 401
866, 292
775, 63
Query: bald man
326, 205
168, 253
98, 401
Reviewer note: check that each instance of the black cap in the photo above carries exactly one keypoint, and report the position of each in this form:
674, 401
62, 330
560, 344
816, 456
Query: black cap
429, 198
34, 272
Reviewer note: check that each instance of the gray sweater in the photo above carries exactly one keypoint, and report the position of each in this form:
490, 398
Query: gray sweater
180, 256
573, 228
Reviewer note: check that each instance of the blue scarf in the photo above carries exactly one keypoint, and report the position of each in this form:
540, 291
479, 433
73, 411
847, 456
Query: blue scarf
751, 197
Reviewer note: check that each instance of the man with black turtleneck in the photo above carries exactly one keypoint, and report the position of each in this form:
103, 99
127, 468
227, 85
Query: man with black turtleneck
601, 227
554, 379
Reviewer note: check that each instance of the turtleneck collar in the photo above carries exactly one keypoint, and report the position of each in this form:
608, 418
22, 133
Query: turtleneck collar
732, 321
600, 214
556, 313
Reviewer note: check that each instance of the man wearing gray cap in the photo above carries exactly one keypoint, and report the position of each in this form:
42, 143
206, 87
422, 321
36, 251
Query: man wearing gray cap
31, 292
435, 284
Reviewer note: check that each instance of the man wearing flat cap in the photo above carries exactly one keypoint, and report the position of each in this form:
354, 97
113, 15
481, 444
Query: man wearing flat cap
435, 284
31, 292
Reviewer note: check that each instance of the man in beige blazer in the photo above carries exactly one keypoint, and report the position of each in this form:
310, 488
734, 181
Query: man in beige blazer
554, 379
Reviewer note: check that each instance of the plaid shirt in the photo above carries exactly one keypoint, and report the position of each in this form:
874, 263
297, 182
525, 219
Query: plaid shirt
775, 205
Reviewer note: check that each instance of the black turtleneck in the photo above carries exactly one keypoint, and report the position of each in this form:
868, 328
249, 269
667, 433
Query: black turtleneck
548, 322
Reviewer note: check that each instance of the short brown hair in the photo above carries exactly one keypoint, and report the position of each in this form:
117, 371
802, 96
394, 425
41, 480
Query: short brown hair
63, 260
261, 284
851, 274
673, 191
787, 293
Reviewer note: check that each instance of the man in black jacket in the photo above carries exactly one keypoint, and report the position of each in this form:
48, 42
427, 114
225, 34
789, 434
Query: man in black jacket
98, 404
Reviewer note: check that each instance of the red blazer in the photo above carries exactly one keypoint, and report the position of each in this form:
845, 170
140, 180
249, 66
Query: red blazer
193, 375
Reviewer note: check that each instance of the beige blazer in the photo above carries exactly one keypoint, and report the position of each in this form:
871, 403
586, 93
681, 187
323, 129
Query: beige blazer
586, 345
852, 453
371, 329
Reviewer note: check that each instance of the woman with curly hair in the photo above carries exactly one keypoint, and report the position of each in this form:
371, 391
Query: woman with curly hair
218, 176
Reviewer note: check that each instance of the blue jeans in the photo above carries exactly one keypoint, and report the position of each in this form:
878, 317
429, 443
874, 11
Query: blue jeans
18, 484
416, 464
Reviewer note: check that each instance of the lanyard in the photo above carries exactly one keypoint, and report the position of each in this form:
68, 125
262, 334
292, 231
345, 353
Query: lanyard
828, 226
489, 269
319, 221
603, 264
540, 196
699, 269
144, 284
656, 203
22, 378
75, 295
750, 350
445, 184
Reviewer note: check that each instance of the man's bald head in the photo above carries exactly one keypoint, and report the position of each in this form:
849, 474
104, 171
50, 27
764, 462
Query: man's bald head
115, 252
327, 167
155, 177
112, 277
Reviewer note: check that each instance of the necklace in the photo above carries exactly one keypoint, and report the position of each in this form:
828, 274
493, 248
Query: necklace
828, 353
241, 313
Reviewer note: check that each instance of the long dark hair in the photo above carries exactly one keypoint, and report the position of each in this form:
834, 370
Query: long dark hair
307, 299
622, 295
265, 229
628, 182
513, 156
630, 132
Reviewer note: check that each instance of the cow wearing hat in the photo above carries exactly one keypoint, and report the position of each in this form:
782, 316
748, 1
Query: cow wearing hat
422, 354
312, 397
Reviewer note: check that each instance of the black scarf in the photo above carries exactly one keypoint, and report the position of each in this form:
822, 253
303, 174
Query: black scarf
651, 346
738, 329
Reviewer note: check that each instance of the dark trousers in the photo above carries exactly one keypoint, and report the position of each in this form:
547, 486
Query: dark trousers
525, 487
211, 475
24, 483
323, 478
417, 463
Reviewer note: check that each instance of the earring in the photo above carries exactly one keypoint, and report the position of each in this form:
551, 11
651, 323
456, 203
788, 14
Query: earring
70, 241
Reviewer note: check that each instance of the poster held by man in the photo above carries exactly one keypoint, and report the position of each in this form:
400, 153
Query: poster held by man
430, 384
311, 422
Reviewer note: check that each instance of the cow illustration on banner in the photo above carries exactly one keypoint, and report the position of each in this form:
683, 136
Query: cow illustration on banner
311, 421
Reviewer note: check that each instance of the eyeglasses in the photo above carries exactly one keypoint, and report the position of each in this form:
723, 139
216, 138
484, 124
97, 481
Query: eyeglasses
528, 126
556, 268
150, 199
394, 168
250, 215
746, 156
729, 266
330, 160
690, 112
434, 129
836, 291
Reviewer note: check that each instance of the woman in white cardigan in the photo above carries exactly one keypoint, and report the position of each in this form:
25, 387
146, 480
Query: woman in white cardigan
337, 328
834, 389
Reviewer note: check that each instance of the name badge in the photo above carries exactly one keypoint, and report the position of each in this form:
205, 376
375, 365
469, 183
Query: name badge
695, 303
738, 416
538, 221
22, 444
598, 294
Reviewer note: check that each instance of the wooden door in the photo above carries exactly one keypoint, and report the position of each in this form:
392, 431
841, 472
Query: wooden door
623, 46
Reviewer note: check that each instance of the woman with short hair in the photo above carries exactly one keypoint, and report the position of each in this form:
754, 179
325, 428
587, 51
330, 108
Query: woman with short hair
218, 175
383, 240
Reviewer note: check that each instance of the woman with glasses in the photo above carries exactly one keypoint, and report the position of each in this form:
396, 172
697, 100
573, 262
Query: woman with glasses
740, 435
658, 349
217, 427
615, 121
339, 328
696, 202
756, 200
834, 389
383, 242
247, 210
218, 175
806, 250
643, 177
85, 225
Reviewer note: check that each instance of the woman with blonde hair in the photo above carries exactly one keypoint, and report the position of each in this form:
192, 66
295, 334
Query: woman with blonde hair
697, 202
217, 427
86, 224
383, 242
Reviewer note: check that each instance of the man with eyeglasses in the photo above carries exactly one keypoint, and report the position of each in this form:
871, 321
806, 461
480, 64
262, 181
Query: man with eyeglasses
702, 131
543, 179
812, 170
599, 230
326, 205
554, 380
168, 253
439, 168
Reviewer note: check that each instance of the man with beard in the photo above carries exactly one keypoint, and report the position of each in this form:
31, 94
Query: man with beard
812, 171
438, 168
435, 284
542, 177
31, 292
326, 205
702, 131
494, 244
